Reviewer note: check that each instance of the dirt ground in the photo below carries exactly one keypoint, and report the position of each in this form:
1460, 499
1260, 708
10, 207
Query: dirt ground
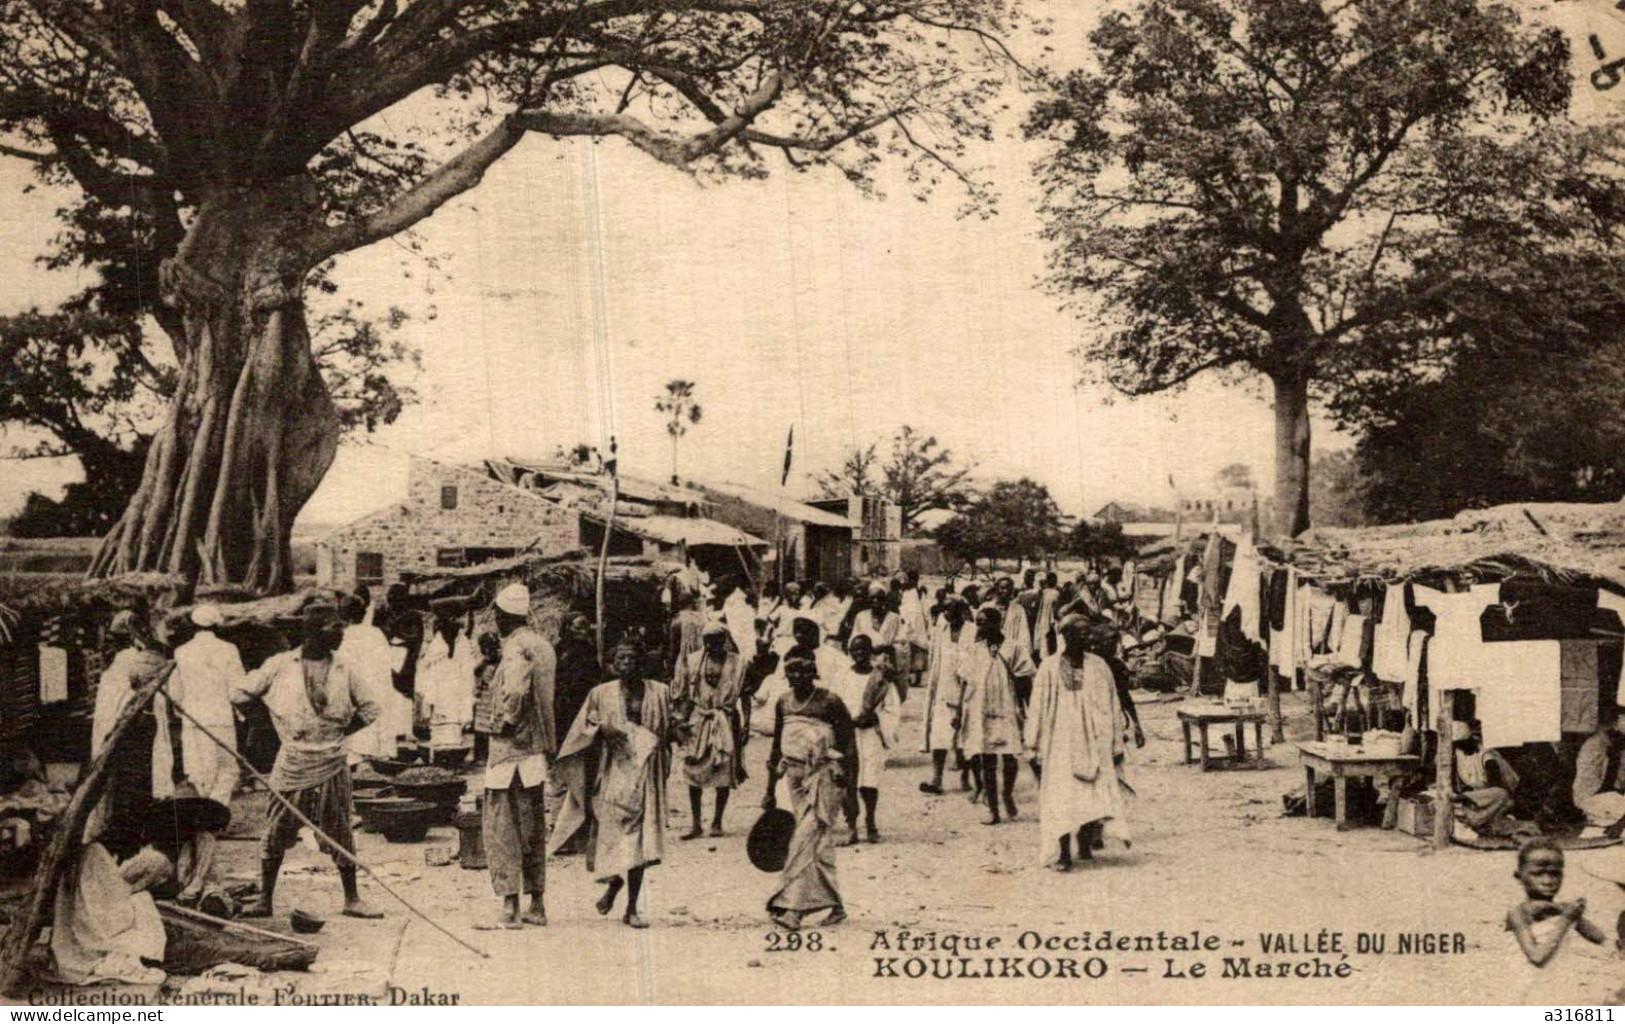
1212, 855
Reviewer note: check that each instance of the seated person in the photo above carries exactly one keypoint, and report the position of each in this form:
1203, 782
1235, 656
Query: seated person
1599, 782
1484, 783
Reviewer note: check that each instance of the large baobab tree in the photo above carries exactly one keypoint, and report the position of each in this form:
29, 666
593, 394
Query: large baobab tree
1297, 191
255, 137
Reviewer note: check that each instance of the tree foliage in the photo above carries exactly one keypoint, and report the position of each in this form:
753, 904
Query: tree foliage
856, 474
1012, 519
1098, 542
92, 386
918, 475
254, 142
1306, 189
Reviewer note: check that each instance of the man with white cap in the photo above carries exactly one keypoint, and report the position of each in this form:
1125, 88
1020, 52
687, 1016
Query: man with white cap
206, 668
514, 826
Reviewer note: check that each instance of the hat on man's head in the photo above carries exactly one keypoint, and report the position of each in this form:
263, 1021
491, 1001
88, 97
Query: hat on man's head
206, 616
878, 589
514, 599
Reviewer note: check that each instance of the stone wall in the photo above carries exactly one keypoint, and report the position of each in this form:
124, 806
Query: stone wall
415, 534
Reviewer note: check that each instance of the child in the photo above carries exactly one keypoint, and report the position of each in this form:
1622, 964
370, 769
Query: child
1540, 924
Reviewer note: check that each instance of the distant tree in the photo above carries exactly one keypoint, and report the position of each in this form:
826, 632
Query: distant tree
917, 475
1237, 474
1097, 542
1338, 490
1524, 424
1291, 190
1013, 519
856, 475
921, 476
968, 538
681, 412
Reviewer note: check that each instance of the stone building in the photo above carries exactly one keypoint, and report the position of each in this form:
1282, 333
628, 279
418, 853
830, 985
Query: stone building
452, 516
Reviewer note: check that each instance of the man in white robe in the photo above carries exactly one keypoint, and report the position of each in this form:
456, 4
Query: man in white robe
366, 650
206, 668
876, 716
988, 710
1074, 736
953, 638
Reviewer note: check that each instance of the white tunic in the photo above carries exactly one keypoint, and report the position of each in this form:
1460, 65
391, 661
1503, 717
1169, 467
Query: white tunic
942, 683
1074, 728
873, 742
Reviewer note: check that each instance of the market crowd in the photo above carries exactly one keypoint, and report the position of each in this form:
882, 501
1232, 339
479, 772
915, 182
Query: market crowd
576, 755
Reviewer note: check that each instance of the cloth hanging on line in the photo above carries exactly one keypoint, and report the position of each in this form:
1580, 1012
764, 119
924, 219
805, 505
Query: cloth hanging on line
1388, 647
1415, 651
1242, 593
1517, 684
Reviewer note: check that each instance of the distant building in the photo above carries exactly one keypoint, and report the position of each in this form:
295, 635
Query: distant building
1129, 512
1234, 503
460, 515
452, 516
879, 547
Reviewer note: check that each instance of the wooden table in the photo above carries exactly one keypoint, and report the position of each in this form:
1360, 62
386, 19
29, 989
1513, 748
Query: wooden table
1218, 714
1344, 763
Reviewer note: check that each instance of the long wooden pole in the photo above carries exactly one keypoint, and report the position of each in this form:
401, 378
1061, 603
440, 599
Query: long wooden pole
291, 809
603, 564
198, 915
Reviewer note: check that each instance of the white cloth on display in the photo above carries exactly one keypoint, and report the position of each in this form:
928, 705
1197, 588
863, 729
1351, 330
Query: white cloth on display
1615, 603
1243, 589
1284, 642
1415, 652
1348, 644
1392, 635
1518, 683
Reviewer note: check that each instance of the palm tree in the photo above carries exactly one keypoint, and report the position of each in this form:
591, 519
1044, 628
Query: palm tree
681, 410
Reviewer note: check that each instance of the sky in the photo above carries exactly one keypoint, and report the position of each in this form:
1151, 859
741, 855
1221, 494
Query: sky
793, 301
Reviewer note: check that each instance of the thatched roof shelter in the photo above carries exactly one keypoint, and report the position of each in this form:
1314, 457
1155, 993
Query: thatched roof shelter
1561, 543
558, 584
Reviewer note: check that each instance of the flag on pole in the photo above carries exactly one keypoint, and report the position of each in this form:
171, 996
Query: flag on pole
789, 453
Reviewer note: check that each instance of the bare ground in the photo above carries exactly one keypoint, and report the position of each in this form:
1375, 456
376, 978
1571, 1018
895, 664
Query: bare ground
1212, 854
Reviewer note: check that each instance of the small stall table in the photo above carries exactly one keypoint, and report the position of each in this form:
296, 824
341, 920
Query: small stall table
1343, 763
1218, 714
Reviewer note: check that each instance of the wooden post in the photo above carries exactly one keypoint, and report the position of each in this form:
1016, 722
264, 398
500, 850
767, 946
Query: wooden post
1315, 706
1277, 734
1445, 772
603, 564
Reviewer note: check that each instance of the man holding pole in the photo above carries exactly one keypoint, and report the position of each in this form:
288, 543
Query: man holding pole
314, 701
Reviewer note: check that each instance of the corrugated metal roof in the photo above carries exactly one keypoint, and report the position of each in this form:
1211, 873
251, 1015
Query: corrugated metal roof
783, 505
678, 530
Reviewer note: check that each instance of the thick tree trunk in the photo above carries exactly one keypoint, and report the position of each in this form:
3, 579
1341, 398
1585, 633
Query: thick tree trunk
1291, 453
252, 429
